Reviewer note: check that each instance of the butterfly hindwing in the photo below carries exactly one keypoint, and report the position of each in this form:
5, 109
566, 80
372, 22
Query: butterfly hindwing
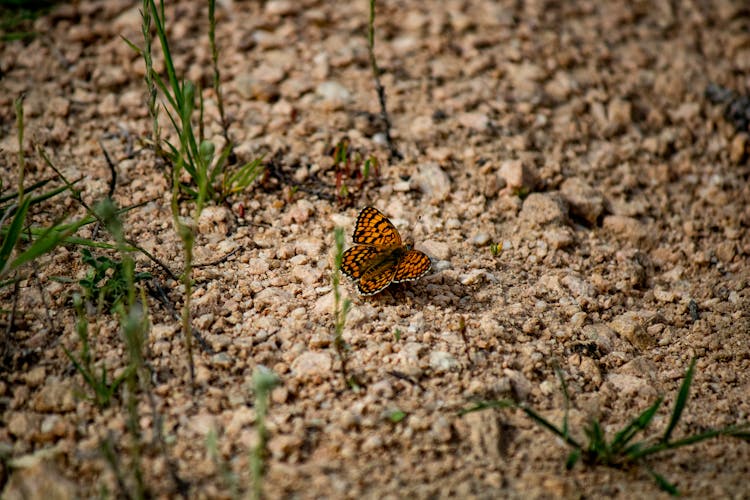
377, 278
412, 265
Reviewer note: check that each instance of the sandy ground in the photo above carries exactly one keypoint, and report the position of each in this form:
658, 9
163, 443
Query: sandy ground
575, 135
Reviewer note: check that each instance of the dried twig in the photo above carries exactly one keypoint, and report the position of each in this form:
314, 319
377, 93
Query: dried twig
157, 291
402, 376
218, 261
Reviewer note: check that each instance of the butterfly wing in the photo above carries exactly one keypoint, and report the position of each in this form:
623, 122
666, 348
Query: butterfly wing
412, 265
377, 278
357, 259
374, 228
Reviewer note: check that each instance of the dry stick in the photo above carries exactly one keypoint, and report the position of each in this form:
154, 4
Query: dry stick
402, 376
108, 450
112, 184
394, 153
112, 171
157, 291
218, 261
152, 258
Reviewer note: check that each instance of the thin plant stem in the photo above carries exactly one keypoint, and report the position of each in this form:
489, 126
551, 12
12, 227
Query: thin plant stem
186, 235
264, 381
393, 152
153, 108
340, 306
215, 62
18, 103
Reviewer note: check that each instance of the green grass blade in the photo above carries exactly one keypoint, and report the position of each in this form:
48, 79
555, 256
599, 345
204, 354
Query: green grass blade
13, 233
14, 195
245, 175
642, 421
165, 92
37, 232
88, 377
174, 154
187, 137
484, 405
159, 20
220, 163
680, 402
52, 193
598, 451
133, 46
549, 426
573, 458
663, 483
74, 240
634, 452
46, 242
741, 432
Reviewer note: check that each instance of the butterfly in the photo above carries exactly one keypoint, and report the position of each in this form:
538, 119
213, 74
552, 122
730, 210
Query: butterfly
379, 257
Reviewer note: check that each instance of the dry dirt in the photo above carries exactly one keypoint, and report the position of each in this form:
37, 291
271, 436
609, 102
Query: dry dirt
576, 135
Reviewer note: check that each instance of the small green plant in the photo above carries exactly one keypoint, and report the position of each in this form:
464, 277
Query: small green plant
396, 416
621, 452
264, 380
522, 192
495, 249
397, 334
229, 477
350, 166
341, 306
105, 283
212, 176
103, 388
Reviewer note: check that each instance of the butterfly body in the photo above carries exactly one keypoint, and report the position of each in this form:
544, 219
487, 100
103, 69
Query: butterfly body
379, 257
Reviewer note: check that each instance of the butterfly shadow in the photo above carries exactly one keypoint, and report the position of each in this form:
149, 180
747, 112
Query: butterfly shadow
437, 290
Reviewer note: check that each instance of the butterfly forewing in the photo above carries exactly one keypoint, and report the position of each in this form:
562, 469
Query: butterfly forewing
374, 228
412, 265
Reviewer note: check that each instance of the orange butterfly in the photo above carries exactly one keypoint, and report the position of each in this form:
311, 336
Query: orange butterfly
378, 257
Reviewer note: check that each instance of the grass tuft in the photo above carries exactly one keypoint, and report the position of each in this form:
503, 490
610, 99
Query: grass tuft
621, 451
103, 388
105, 284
